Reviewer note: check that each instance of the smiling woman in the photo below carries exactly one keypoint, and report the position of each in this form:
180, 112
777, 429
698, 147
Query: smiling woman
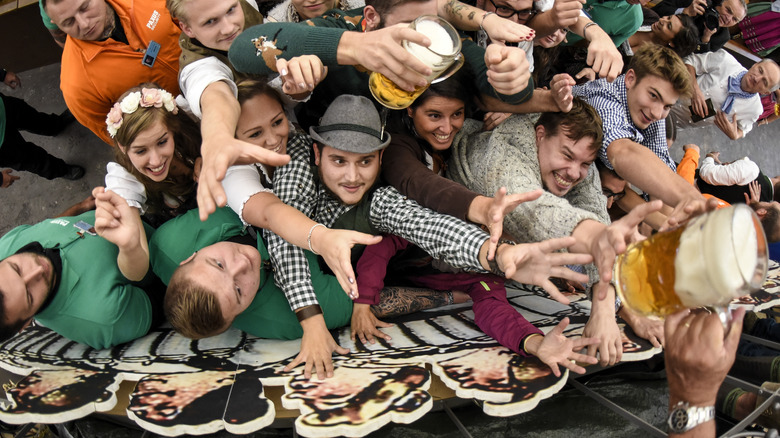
156, 150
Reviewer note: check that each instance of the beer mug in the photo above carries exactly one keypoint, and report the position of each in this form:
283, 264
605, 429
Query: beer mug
443, 57
708, 261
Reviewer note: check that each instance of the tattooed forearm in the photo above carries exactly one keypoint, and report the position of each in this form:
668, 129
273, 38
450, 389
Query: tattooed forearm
395, 301
456, 9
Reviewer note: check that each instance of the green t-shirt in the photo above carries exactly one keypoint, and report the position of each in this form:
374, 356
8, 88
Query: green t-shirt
269, 315
94, 303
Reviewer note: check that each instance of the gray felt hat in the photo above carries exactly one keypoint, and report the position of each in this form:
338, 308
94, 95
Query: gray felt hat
351, 124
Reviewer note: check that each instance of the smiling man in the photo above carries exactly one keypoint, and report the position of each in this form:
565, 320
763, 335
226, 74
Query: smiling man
340, 191
633, 109
555, 152
112, 45
733, 91
63, 275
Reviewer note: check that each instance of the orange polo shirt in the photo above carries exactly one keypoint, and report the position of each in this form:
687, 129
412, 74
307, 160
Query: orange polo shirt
95, 73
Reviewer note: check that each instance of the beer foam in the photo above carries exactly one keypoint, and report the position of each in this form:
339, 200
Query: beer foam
441, 43
718, 254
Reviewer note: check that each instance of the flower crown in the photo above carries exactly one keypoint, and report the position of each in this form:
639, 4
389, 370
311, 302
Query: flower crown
147, 98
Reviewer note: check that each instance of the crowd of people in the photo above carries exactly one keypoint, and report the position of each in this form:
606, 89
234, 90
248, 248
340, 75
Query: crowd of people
257, 183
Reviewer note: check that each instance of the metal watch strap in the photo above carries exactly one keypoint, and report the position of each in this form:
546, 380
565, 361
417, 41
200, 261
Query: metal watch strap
685, 417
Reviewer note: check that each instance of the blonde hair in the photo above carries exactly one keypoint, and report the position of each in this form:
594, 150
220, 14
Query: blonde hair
191, 309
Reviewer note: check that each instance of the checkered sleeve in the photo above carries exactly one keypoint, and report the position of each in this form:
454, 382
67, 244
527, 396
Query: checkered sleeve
293, 184
442, 236
655, 140
613, 116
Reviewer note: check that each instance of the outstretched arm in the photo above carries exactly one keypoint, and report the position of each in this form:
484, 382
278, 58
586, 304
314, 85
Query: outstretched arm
469, 18
121, 225
220, 148
555, 349
265, 210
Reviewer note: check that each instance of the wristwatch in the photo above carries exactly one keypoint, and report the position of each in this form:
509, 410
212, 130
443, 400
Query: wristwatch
685, 417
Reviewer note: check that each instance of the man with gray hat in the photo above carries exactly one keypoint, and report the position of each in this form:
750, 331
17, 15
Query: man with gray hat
340, 191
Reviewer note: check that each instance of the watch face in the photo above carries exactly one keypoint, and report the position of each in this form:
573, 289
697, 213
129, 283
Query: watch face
678, 420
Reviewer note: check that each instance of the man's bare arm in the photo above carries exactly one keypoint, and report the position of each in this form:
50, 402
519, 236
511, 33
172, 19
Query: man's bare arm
641, 167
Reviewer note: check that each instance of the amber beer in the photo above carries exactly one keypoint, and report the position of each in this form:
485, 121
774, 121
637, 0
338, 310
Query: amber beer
442, 56
709, 261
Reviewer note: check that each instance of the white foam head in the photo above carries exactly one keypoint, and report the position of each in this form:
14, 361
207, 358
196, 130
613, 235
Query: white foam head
717, 257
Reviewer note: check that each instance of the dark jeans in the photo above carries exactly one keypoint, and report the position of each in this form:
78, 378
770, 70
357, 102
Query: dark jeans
18, 153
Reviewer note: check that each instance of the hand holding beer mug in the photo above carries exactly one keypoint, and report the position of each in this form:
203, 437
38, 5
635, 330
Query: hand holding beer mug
442, 56
708, 261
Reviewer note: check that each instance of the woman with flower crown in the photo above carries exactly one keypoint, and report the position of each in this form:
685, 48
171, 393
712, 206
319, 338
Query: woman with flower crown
157, 148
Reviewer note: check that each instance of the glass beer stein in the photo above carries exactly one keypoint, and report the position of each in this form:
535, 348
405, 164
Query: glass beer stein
443, 57
708, 261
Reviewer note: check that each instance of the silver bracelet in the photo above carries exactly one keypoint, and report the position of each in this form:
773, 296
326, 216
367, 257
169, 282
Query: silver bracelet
483, 20
308, 239
592, 23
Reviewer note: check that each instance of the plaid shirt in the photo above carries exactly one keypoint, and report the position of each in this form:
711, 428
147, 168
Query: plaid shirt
442, 236
611, 102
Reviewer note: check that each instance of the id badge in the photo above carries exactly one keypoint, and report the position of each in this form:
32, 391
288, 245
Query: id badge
151, 54
85, 228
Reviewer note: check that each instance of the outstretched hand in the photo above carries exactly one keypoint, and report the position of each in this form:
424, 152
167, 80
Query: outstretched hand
557, 350
755, 193
535, 263
317, 347
602, 324
365, 325
216, 160
614, 239
335, 247
501, 205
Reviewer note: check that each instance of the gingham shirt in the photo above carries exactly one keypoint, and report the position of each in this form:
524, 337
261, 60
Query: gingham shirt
611, 102
442, 236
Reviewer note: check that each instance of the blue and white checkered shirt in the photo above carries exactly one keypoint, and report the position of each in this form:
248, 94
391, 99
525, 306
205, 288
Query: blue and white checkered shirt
443, 237
611, 102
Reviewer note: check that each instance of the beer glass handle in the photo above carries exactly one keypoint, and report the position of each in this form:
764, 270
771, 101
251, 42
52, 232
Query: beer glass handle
724, 313
454, 67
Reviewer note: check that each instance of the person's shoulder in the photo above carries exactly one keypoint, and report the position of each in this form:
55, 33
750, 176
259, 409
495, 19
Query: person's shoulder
279, 12
299, 147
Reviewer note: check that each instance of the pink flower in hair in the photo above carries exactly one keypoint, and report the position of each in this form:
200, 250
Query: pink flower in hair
151, 97
114, 119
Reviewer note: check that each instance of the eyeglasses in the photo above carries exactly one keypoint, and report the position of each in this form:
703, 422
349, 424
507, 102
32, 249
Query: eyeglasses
615, 196
507, 12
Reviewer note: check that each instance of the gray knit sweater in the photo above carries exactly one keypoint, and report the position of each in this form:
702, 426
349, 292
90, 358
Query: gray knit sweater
507, 157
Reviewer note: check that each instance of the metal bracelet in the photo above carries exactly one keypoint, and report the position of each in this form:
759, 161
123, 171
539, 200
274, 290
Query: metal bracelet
308, 238
483, 21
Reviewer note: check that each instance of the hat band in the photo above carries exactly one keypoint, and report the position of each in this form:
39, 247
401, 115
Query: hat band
349, 127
